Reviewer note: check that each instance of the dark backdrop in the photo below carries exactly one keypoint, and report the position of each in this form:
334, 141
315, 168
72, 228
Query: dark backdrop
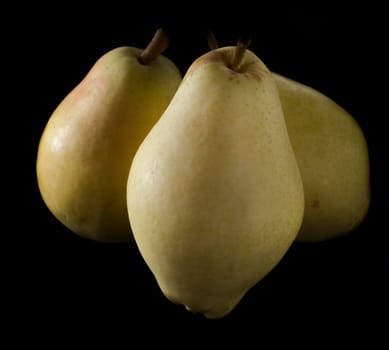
64, 284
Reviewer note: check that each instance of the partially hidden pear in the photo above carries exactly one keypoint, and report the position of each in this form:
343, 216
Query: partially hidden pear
214, 194
332, 155
88, 144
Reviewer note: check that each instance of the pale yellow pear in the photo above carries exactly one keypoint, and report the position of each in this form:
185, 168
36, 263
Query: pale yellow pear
332, 155
214, 193
87, 147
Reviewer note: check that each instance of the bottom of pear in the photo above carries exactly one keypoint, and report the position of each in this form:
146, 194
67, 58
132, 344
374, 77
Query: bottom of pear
217, 308
217, 314
213, 313
216, 311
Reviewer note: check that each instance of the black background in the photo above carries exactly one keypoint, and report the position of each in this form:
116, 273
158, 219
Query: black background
62, 284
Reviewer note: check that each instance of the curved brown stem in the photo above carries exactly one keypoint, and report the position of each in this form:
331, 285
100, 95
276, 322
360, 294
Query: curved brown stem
212, 42
240, 49
157, 45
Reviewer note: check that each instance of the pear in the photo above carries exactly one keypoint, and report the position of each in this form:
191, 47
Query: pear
333, 159
332, 155
214, 193
88, 144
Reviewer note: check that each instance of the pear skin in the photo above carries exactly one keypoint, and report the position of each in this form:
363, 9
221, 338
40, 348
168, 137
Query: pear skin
88, 144
332, 155
214, 194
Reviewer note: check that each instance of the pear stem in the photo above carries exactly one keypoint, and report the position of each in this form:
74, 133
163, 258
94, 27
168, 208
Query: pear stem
240, 49
212, 42
157, 45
